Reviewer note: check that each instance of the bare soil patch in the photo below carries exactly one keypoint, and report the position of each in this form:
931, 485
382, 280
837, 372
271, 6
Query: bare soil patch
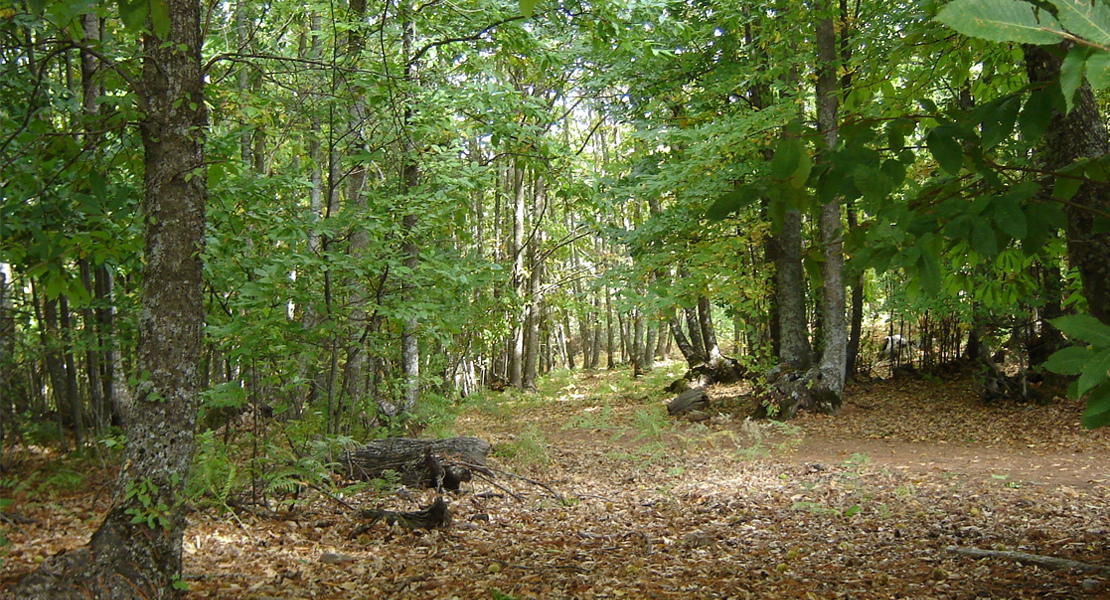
865, 505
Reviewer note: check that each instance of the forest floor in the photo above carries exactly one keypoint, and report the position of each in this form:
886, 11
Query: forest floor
871, 503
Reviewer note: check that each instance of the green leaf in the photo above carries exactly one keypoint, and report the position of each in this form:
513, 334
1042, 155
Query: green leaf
1036, 114
160, 18
1096, 373
528, 7
787, 158
37, 7
1097, 413
983, 239
998, 124
1069, 361
945, 150
1098, 70
873, 183
1000, 21
741, 197
1084, 19
1065, 187
1071, 73
1086, 328
133, 13
1009, 218
929, 269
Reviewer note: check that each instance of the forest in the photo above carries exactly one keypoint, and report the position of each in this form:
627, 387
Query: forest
554, 298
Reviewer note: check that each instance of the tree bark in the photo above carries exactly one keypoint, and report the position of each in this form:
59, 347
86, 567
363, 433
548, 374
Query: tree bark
410, 343
136, 552
1079, 134
790, 294
416, 461
828, 386
708, 333
683, 343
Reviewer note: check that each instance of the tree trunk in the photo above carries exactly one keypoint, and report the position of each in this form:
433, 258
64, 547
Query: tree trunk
693, 328
683, 343
856, 326
1079, 134
73, 394
610, 349
535, 288
410, 179
647, 363
790, 294
55, 367
708, 333
136, 552
829, 385
516, 358
116, 391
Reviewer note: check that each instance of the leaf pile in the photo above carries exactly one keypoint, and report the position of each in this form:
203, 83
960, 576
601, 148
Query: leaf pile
862, 505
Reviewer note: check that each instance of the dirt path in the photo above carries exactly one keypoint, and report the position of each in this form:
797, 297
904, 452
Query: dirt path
1074, 469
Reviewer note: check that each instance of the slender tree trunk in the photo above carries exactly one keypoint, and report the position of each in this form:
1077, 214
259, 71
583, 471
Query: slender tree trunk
648, 360
683, 343
410, 342
516, 358
73, 393
610, 349
535, 286
8, 371
856, 327
55, 366
116, 391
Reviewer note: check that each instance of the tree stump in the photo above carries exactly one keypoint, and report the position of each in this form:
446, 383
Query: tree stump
690, 400
417, 462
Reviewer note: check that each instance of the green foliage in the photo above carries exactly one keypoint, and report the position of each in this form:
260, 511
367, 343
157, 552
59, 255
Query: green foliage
1091, 363
528, 448
152, 509
1001, 21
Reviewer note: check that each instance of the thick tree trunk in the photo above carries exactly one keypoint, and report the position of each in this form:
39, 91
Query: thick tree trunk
693, 328
790, 294
829, 386
1079, 134
708, 333
136, 552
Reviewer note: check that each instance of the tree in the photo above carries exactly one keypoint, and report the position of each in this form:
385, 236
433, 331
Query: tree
136, 552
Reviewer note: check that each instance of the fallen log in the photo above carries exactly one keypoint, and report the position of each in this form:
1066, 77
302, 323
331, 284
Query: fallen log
418, 462
1047, 562
690, 400
435, 515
